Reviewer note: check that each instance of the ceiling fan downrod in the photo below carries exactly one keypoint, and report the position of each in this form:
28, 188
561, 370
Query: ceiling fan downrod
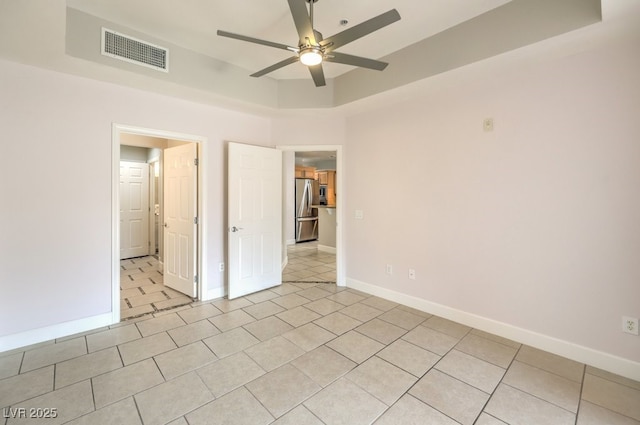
312, 54
311, 10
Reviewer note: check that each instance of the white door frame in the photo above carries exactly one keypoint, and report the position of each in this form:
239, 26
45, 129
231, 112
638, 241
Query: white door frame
117, 131
340, 270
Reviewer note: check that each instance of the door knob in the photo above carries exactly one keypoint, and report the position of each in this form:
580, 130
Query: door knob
235, 229
166, 225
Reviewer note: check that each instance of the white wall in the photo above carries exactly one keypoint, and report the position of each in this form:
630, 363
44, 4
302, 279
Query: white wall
535, 225
55, 221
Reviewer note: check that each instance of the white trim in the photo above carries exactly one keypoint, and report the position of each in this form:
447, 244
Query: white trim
214, 294
579, 353
285, 261
290, 242
115, 223
340, 185
325, 248
34, 336
201, 269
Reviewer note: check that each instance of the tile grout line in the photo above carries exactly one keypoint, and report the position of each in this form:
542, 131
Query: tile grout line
135, 403
444, 373
506, 370
93, 396
584, 373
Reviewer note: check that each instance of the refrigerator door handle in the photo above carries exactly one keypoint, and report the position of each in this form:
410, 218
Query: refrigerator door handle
307, 219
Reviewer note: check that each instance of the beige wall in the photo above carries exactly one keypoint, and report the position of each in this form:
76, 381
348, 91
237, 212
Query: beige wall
64, 226
534, 225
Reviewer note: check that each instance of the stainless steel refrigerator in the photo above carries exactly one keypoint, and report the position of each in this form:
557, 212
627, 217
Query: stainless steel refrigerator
307, 194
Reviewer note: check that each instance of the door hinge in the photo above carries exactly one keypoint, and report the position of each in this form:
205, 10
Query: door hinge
195, 162
195, 278
195, 220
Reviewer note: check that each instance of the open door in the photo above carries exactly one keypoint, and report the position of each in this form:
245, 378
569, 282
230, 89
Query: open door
254, 219
180, 221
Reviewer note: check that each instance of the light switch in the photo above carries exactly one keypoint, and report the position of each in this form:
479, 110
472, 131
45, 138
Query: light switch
359, 214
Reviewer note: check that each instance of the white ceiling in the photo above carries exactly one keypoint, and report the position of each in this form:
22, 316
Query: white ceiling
193, 24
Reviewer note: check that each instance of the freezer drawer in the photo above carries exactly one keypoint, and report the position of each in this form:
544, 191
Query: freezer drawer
307, 229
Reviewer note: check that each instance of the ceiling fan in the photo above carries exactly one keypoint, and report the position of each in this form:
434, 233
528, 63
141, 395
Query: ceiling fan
312, 49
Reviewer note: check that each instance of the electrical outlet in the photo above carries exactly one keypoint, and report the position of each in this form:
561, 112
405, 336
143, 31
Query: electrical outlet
359, 215
487, 124
221, 267
389, 269
412, 274
630, 325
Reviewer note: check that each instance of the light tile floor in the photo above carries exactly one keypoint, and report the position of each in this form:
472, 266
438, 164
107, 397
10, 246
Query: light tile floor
307, 264
305, 353
142, 289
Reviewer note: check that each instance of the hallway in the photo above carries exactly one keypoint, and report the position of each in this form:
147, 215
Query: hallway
142, 289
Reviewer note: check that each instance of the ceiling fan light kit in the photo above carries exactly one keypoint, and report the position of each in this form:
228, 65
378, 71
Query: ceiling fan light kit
311, 56
312, 49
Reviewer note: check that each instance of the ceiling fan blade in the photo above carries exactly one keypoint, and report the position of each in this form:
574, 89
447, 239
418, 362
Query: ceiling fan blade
360, 30
281, 64
302, 20
355, 61
318, 75
257, 41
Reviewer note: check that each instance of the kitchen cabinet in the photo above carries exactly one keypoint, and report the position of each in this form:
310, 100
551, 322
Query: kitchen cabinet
322, 177
328, 178
305, 172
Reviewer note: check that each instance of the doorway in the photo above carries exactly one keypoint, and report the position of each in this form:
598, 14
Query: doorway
289, 200
149, 283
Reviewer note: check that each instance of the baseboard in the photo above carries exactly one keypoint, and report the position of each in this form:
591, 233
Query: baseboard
290, 242
214, 294
579, 353
34, 336
325, 248
285, 261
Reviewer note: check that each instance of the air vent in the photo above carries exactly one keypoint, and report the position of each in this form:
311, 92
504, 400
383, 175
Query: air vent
129, 49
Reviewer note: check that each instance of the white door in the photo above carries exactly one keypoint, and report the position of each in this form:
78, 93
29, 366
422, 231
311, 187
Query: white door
254, 219
180, 206
134, 209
